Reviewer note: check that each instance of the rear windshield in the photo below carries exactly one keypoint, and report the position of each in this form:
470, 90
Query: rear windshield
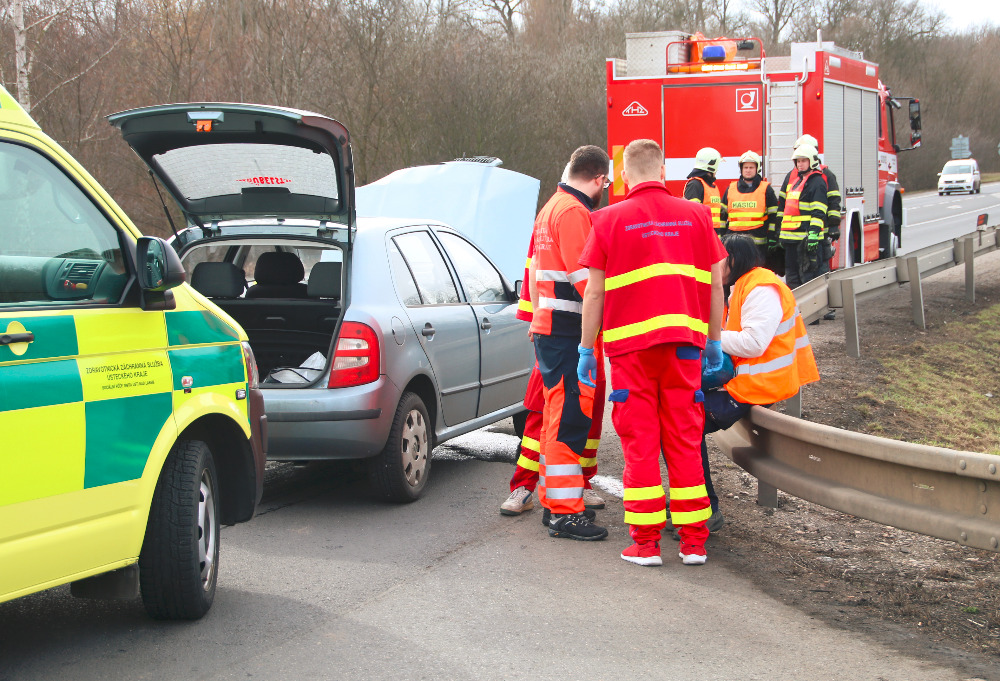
225, 169
957, 170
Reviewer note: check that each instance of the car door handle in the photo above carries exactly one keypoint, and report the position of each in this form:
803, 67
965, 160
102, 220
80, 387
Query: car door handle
427, 331
485, 324
11, 338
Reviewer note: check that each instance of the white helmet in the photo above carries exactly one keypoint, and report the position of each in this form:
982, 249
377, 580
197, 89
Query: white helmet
807, 151
807, 139
750, 157
708, 159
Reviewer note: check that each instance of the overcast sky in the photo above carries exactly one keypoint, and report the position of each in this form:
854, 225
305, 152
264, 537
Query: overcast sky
967, 13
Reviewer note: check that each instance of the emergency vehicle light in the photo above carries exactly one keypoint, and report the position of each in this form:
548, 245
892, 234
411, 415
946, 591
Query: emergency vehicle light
713, 53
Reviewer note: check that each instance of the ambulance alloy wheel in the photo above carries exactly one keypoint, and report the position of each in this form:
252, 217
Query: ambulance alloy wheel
400, 472
178, 565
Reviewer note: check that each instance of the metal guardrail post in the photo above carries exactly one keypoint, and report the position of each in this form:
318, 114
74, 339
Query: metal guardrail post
850, 318
969, 253
916, 292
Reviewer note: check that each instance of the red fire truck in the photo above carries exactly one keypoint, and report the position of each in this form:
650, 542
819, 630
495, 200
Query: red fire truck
688, 92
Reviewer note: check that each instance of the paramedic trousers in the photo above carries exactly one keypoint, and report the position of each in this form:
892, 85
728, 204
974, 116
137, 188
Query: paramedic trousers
656, 400
565, 424
526, 470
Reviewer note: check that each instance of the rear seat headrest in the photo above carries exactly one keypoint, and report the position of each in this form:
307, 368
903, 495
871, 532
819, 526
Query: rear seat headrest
324, 280
278, 267
218, 280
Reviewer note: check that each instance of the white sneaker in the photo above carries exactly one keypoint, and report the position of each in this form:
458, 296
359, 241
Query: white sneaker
592, 499
518, 502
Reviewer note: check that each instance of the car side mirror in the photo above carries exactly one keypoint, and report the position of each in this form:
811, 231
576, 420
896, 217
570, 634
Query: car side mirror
517, 287
159, 270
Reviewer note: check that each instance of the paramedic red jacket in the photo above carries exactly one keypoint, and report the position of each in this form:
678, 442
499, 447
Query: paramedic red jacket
657, 253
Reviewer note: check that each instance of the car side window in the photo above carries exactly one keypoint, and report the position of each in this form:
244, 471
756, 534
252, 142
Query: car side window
428, 267
401, 276
481, 280
56, 246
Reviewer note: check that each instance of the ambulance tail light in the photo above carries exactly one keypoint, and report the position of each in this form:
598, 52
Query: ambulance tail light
253, 377
357, 359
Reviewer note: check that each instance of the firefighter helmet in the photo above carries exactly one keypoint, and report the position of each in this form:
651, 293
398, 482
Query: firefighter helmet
807, 139
708, 159
750, 157
807, 151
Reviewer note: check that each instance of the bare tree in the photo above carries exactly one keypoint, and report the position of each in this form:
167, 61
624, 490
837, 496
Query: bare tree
776, 15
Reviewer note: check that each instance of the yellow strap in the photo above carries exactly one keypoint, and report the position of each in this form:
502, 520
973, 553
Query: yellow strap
661, 269
527, 464
654, 518
688, 517
663, 321
533, 445
696, 492
643, 493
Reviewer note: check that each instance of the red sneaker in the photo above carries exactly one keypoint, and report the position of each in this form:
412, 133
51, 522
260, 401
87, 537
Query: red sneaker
643, 554
692, 555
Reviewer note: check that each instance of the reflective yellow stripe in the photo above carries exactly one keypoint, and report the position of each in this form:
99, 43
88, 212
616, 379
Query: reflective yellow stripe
663, 321
643, 493
688, 517
658, 270
648, 518
527, 263
696, 492
588, 461
528, 443
527, 464
592, 444
525, 306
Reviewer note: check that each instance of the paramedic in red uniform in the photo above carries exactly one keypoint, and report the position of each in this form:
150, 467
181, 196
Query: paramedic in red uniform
656, 285
557, 282
525, 478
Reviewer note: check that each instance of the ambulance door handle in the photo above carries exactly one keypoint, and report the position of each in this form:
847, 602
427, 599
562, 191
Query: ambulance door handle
11, 338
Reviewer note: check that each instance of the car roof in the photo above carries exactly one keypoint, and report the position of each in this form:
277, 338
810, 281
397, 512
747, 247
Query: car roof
385, 224
960, 161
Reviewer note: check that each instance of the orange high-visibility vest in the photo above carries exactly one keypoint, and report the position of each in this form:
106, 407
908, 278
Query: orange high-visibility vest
747, 211
713, 199
788, 362
792, 218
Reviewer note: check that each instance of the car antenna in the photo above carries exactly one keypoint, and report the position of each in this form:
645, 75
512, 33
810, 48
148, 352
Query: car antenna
164, 204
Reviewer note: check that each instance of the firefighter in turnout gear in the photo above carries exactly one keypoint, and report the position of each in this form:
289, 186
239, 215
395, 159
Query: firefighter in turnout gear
701, 186
802, 209
557, 282
655, 287
752, 204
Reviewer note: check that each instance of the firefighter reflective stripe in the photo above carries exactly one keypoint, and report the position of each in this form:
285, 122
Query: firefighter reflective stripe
787, 363
798, 217
713, 199
689, 517
560, 304
666, 321
642, 493
654, 518
696, 492
658, 270
747, 211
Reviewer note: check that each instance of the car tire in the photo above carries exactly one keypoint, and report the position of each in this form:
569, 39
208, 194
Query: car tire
940, 193
399, 473
520, 418
178, 564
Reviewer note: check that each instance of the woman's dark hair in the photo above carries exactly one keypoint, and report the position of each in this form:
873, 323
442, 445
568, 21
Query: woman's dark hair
743, 256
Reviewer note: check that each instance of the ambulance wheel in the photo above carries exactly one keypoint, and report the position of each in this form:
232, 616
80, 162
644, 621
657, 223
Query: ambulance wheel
399, 473
178, 564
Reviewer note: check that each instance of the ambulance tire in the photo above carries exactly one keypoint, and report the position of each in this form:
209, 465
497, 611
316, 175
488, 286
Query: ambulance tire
178, 564
399, 473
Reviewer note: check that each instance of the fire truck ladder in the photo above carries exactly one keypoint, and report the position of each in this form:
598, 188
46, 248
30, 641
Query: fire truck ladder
782, 121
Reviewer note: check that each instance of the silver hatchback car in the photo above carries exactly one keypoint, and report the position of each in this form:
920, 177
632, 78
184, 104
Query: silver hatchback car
375, 338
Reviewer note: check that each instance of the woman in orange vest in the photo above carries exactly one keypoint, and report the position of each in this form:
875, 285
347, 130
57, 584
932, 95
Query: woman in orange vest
767, 340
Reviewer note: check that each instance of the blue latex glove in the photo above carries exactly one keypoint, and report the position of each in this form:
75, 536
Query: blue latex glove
587, 367
711, 360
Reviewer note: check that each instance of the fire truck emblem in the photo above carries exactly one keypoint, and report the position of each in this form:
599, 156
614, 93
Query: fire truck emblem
746, 99
635, 109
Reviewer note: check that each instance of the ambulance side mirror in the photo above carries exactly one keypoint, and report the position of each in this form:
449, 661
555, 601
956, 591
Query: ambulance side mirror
159, 269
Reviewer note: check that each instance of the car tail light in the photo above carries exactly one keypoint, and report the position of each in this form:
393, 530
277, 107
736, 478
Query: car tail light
253, 378
356, 360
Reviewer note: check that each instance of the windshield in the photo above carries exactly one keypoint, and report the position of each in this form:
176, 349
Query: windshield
957, 170
223, 169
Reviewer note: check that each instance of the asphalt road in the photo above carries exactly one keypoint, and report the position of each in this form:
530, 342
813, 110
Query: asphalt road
932, 219
327, 584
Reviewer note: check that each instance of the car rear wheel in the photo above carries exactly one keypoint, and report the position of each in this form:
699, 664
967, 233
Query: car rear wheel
400, 472
178, 564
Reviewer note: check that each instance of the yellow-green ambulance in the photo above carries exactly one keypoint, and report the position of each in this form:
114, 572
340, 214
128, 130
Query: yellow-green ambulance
131, 424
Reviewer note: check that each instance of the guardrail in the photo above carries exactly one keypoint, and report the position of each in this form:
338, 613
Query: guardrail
935, 491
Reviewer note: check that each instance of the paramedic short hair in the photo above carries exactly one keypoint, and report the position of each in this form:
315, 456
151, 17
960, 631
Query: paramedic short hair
588, 162
642, 160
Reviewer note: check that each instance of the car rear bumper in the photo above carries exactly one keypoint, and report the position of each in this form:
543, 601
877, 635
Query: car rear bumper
329, 423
